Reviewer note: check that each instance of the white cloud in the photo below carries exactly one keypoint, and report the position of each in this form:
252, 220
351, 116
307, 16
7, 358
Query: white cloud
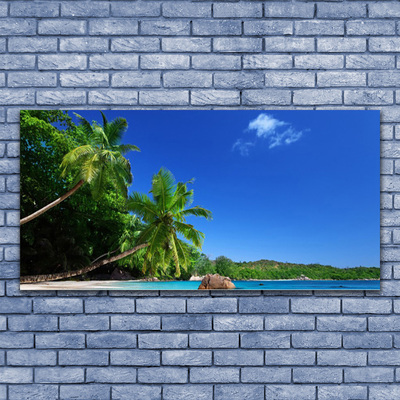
288, 136
243, 147
265, 125
274, 131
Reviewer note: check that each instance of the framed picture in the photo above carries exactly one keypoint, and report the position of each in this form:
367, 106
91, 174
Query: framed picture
192, 200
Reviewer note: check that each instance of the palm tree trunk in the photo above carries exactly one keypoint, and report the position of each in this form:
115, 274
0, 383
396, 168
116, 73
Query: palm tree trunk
91, 267
51, 205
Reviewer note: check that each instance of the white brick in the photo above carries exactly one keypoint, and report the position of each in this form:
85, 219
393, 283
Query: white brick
317, 96
289, 79
315, 27
341, 45
342, 78
215, 97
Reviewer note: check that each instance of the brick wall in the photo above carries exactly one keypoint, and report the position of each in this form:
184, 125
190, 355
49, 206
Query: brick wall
191, 54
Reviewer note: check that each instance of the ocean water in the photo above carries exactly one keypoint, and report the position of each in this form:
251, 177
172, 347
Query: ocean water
250, 285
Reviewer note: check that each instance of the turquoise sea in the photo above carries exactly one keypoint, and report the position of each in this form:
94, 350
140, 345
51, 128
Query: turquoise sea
251, 285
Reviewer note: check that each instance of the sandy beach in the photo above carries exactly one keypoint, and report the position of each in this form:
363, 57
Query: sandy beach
141, 285
72, 285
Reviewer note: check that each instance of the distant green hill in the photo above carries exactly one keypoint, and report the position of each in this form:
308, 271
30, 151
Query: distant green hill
269, 269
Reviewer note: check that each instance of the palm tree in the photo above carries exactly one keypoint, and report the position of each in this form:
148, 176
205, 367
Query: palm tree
165, 218
99, 163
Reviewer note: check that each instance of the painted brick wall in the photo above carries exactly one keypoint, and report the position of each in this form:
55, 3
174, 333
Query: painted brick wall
199, 54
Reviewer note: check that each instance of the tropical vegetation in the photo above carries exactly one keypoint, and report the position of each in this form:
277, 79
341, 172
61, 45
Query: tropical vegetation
165, 218
98, 161
59, 157
274, 270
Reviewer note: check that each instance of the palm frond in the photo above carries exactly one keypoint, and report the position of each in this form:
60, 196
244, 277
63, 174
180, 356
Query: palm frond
99, 182
166, 258
133, 229
141, 204
123, 167
115, 130
105, 122
85, 124
183, 252
146, 234
163, 187
118, 181
89, 168
158, 238
99, 137
175, 256
182, 198
197, 211
129, 239
190, 233
118, 169
125, 148
72, 159
113, 160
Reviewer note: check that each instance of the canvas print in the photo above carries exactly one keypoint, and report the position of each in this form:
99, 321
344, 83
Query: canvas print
200, 200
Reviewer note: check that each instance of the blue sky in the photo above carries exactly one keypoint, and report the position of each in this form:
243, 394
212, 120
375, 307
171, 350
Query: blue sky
295, 186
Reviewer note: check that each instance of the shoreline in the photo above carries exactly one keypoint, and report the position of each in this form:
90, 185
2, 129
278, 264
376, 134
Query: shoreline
111, 284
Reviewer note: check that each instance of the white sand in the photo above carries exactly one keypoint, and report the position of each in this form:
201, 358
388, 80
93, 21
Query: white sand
72, 285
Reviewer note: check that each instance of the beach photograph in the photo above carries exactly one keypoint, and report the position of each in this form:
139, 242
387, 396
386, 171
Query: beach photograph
200, 200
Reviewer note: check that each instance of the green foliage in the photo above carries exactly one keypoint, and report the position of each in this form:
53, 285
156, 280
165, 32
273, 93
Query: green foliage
273, 270
224, 266
165, 217
194, 256
42, 149
94, 222
128, 239
100, 161
79, 229
204, 266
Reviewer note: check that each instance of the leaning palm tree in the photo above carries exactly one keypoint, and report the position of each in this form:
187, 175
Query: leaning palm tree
99, 163
165, 217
